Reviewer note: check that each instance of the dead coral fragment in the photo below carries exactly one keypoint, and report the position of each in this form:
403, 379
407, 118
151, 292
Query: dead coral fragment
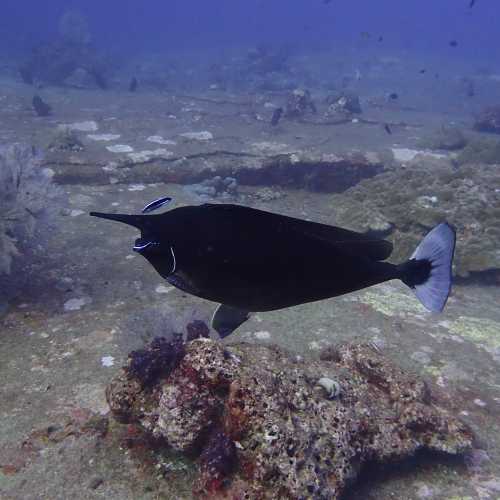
263, 430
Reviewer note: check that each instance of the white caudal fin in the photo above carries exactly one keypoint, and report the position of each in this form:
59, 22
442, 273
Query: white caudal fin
437, 248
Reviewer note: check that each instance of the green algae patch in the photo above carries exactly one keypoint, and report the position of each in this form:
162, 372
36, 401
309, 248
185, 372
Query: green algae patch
433, 371
393, 303
482, 331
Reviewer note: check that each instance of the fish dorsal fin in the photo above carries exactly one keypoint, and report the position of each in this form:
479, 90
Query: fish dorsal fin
351, 242
345, 240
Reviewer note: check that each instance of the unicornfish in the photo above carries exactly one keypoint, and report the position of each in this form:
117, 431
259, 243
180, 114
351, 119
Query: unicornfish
250, 260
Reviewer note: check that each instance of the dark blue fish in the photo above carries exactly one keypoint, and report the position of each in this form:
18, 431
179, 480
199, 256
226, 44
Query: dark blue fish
250, 260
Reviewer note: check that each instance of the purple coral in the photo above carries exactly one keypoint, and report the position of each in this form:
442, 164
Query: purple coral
158, 360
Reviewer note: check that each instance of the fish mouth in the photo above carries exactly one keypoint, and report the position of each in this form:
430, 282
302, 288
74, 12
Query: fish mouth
132, 220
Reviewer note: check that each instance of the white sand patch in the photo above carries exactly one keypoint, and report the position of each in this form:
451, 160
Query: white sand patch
147, 155
262, 335
103, 137
204, 135
75, 304
404, 154
107, 361
120, 148
158, 139
271, 147
163, 289
87, 126
48, 172
136, 187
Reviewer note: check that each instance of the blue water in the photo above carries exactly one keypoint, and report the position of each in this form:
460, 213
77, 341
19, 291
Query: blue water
416, 25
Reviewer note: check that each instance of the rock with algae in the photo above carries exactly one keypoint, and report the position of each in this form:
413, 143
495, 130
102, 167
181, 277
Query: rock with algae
261, 427
404, 204
488, 120
445, 137
481, 150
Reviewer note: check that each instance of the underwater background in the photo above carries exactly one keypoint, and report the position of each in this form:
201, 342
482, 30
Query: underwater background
378, 117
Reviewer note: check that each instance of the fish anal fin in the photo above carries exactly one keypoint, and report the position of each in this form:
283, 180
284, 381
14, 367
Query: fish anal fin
227, 319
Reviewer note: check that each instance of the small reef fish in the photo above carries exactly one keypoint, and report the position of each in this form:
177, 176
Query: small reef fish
133, 85
453, 43
387, 129
275, 119
26, 75
393, 96
40, 106
250, 260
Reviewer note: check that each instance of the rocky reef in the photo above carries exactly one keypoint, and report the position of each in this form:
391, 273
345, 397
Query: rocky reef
345, 103
298, 103
403, 204
262, 423
71, 53
488, 120
446, 138
481, 150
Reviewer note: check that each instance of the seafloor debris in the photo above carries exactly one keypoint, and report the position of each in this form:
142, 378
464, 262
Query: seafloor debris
215, 187
262, 428
65, 139
345, 103
298, 103
488, 120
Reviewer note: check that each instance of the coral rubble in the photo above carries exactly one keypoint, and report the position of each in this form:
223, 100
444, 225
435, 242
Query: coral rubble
261, 427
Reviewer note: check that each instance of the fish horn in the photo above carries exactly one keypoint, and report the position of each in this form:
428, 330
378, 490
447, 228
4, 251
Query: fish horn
132, 220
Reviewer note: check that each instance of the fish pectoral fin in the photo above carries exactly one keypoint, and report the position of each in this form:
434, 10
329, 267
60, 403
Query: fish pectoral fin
226, 319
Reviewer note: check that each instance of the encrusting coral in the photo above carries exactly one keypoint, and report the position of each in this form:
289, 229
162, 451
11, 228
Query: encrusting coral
261, 426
